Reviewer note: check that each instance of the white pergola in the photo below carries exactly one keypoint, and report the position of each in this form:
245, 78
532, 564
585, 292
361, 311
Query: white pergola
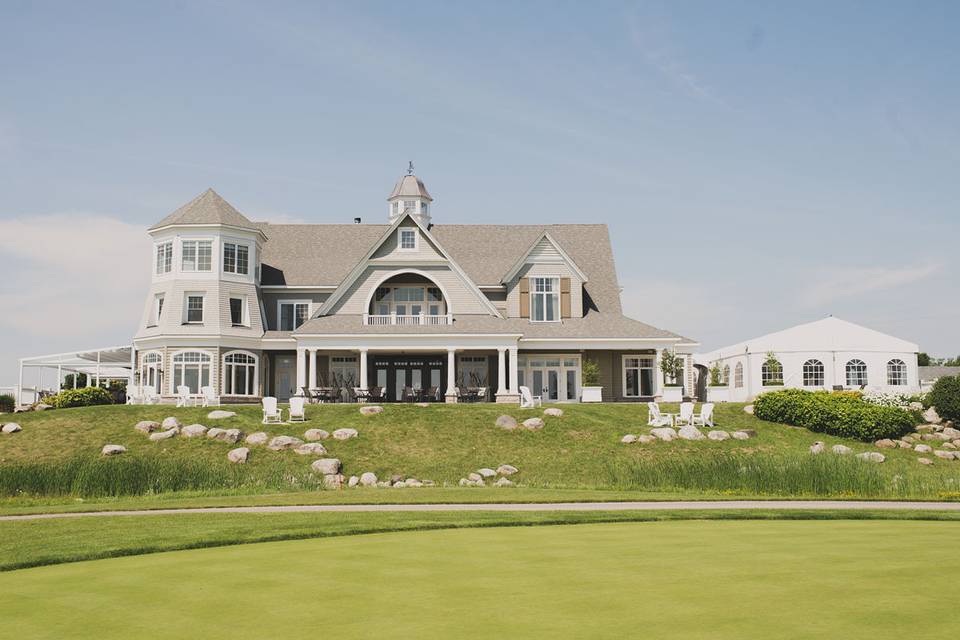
99, 365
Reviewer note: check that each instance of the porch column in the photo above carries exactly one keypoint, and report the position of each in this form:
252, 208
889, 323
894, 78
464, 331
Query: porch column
301, 372
312, 379
514, 372
501, 371
657, 375
451, 395
363, 369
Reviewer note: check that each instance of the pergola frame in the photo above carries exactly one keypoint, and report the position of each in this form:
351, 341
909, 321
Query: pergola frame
104, 363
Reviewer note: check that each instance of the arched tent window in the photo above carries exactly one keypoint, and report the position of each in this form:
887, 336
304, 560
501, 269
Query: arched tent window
725, 376
191, 368
771, 373
813, 373
856, 373
897, 373
150, 370
239, 374
738, 376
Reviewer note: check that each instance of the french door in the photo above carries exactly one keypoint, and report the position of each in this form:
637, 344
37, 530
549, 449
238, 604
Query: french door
546, 383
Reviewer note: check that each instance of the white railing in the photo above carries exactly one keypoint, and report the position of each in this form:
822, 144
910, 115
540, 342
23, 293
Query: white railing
394, 319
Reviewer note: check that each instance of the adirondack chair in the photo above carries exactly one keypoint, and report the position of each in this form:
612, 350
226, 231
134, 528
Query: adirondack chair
686, 414
705, 417
183, 396
271, 414
296, 411
210, 398
528, 400
135, 394
657, 419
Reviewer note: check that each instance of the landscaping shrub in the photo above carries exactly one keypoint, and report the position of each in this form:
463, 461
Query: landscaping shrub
6, 403
945, 397
834, 413
85, 397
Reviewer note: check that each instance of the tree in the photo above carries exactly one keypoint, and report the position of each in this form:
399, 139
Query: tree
68, 381
672, 366
716, 375
923, 359
590, 373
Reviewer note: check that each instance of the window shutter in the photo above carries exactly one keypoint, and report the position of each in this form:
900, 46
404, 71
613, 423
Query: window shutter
564, 297
524, 297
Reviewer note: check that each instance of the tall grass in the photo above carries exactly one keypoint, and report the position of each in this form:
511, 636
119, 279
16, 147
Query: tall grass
835, 476
122, 476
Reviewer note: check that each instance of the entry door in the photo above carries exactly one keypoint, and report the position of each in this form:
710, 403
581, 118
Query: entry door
546, 383
285, 380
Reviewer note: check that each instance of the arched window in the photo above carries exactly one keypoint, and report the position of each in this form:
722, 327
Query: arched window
239, 374
896, 373
725, 376
738, 375
191, 368
771, 374
813, 373
150, 370
856, 373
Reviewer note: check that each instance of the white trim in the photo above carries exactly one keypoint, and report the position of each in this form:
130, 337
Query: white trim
599, 343
256, 373
244, 310
417, 272
562, 390
623, 373
416, 239
293, 301
213, 257
185, 319
207, 225
511, 274
299, 287
557, 312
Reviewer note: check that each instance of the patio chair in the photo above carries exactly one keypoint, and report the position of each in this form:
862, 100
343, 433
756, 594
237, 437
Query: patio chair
297, 412
375, 394
657, 419
686, 414
308, 394
705, 417
409, 395
183, 396
134, 395
528, 400
150, 395
481, 394
210, 398
271, 414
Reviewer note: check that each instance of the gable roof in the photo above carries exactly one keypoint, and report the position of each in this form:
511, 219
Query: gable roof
207, 208
537, 245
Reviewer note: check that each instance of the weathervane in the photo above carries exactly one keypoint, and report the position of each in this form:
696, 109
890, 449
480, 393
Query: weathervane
410, 168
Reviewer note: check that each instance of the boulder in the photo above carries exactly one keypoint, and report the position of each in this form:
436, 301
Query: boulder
690, 432
311, 449
718, 435
740, 435
507, 422
952, 433
231, 435
503, 482
400, 484
279, 443
533, 423
943, 437
112, 449
214, 432
751, 433
930, 437
163, 435
645, 439
333, 481
910, 437
171, 423
413, 482
474, 477
395, 478
886, 443
423, 404
487, 473
903, 444
923, 448
957, 442
628, 439
507, 470
872, 456
353, 481
220, 414
944, 455
368, 479
383, 483
238, 455
464, 482
931, 416
147, 426
948, 445
926, 461
818, 447
345, 434
664, 433
41, 406
553, 412
193, 430
370, 410
748, 409
841, 449
11, 427
923, 428
326, 466
315, 434
260, 437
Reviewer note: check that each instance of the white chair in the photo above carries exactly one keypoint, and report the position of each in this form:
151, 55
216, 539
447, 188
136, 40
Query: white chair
150, 395
657, 419
528, 400
705, 417
183, 396
482, 394
134, 395
686, 414
210, 399
297, 411
271, 415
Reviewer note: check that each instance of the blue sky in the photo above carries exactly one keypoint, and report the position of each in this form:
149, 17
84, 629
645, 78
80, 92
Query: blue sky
759, 164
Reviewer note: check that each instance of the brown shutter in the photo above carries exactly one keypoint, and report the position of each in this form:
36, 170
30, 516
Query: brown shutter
564, 297
524, 297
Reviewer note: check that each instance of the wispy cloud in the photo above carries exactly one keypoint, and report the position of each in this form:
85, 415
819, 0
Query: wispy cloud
837, 284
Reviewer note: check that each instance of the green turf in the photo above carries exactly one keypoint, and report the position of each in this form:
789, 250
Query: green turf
684, 579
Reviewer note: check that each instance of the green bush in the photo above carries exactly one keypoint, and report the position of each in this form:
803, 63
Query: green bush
945, 397
85, 397
835, 414
6, 403
590, 373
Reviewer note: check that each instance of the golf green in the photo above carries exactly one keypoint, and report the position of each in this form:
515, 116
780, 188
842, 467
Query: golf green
684, 579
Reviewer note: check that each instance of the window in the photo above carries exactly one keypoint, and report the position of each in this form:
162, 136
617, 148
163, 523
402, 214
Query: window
738, 376
236, 258
157, 310
771, 373
239, 374
293, 314
192, 369
238, 312
638, 378
856, 373
896, 373
813, 373
194, 308
725, 374
408, 301
408, 239
344, 371
545, 300
164, 258
150, 371
410, 205
472, 371
197, 255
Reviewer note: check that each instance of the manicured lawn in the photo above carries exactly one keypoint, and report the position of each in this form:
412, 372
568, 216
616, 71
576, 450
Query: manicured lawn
679, 579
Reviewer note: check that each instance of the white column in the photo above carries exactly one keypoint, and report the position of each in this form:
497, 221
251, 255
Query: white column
657, 375
501, 371
312, 380
363, 369
60, 378
451, 375
98, 368
514, 372
301, 372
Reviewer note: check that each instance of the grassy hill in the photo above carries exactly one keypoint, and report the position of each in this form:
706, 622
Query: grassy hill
58, 454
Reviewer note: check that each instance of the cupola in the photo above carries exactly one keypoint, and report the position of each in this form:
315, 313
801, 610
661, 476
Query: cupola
410, 196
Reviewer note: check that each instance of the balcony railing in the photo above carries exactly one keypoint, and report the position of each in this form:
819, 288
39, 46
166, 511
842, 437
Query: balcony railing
418, 320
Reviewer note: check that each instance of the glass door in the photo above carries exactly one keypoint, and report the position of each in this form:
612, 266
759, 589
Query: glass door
546, 383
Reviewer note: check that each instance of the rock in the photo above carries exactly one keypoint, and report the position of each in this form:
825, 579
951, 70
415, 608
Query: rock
508, 423
370, 410
740, 435
751, 433
943, 437
279, 443
872, 456
423, 404
163, 435
923, 448
718, 435
689, 432
923, 428
11, 427
841, 449
383, 483
553, 412
219, 414
42, 406
818, 447
112, 449
429, 483
260, 437
238, 455
333, 481
886, 443
664, 433
628, 439
315, 434
903, 444
147, 426
507, 470
311, 449
944, 455
930, 415
171, 423
353, 481
214, 432
230, 435
464, 482
345, 434
368, 479
503, 482
487, 473
910, 437
929, 437
948, 445
957, 442
413, 482
193, 430
326, 466
400, 484
748, 409
926, 461
952, 433
645, 439
474, 477
533, 423
395, 478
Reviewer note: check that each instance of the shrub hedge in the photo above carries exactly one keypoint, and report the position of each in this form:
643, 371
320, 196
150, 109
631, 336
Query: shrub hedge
85, 397
836, 414
945, 397
6, 403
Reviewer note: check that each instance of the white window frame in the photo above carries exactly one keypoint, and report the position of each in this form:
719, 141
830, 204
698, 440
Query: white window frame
157, 311
814, 367
534, 293
195, 241
166, 248
173, 369
236, 257
738, 375
416, 239
186, 306
280, 304
861, 369
898, 377
767, 376
623, 373
244, 310
156, 363
227, 369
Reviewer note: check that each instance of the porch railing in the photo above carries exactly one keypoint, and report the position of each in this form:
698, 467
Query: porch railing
394, 319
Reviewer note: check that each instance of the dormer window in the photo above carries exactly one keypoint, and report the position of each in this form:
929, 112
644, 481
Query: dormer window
545, 300
408, 239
